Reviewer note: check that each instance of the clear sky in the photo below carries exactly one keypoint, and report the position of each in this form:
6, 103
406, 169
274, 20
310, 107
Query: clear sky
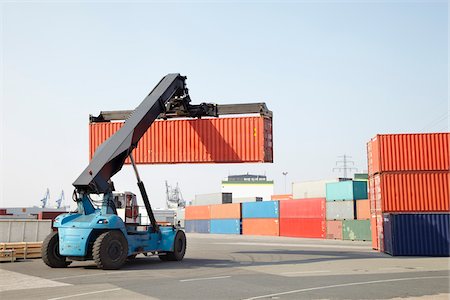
334, 74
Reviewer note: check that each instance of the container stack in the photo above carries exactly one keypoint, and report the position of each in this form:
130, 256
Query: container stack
260, 218
409, 193
303, 218
344, 200
198, 219
226, 218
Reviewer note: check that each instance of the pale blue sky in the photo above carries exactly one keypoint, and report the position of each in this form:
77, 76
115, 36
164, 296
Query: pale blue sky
334, 74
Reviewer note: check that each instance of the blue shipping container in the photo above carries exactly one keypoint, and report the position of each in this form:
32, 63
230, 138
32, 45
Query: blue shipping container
426, 234
346, 190
264, 209
226, 226
198, 226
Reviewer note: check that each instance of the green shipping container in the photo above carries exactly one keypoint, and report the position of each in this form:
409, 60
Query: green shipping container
346, 190
356, 230
361, 176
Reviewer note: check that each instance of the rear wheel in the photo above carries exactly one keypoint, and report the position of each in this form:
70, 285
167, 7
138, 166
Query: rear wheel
50, 252
110, 250
179, 248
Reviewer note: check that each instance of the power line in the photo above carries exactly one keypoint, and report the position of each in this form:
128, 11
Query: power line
344, 165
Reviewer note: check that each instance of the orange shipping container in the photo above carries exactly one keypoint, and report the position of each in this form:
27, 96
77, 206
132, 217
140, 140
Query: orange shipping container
208, 140
409, 152
281, 197
373, 226
411, 192
197, 212
363, 209
261, 226
226, 211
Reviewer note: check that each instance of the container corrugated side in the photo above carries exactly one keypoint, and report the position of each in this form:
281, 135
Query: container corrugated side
197, 212
206, 140
214, 198
303, 208
303, 227
334, 230
226, 211
197, 226
356, 230
346, 190
421, 234
409, 152
261, 226
263, 209
412, 192
226, 226
340, 210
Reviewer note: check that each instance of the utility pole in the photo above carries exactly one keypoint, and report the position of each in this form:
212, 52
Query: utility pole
284, 174
344, 164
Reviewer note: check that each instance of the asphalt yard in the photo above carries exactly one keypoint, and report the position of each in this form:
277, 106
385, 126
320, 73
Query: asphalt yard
240, 267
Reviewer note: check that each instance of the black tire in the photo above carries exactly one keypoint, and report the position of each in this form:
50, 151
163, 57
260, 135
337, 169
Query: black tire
110, 250
50, 252
179, 247
132, 257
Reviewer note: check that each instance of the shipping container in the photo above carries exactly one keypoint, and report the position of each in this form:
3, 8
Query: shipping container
226, 226
303, 208
361, 176
310, 189
411, 192
334, 230
48, 215
340, 210
197, 226
363, 209
303, 227
281, 197
214, 198
346, 190
419, 234
197, 212
2, 211
261, 226
226, 211
374, 232
206, 140
356, 230
264, 209
408, 152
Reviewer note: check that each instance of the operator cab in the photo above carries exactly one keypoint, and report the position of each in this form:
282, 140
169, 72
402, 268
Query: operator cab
127, 207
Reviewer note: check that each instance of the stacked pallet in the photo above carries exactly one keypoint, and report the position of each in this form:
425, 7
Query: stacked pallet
409, 193
24, 250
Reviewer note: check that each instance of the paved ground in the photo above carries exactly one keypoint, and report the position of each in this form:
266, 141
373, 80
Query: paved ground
240, 267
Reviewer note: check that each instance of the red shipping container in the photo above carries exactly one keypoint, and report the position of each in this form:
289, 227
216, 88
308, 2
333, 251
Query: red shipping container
202, 212
207, 140
303, 208
281, 197
410, 192
363, 209
334, 230
49, 215
261, 226
409, 152
303, 227
2, 211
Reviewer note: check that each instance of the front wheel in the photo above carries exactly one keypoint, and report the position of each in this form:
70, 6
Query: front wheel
110, 250
50, 252
179, 248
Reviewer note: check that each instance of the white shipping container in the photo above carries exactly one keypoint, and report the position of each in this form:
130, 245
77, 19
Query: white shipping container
340, 210
209, 199
310, 189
